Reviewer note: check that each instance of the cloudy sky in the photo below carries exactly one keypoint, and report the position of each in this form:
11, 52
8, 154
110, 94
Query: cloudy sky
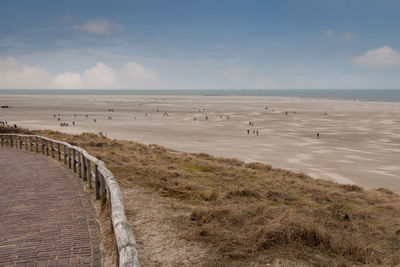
200, 44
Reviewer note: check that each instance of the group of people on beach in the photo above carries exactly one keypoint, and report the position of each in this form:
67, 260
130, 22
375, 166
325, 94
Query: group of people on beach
166, 114
5, 123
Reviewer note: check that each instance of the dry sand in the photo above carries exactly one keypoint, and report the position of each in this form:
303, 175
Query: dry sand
359, 141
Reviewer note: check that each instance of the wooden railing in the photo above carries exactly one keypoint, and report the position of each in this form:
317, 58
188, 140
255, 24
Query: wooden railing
95, 173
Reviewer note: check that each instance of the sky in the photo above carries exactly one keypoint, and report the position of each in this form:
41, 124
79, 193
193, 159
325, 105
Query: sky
187, 44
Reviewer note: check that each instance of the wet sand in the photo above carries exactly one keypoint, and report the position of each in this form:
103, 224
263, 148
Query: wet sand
359, 141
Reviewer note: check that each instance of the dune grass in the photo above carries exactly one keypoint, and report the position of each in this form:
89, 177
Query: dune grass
252, 213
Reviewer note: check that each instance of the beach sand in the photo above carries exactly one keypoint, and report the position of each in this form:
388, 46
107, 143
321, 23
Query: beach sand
359, 141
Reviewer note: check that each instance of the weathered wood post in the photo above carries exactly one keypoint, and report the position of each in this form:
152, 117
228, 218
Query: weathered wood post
110, 208
30, 143
102, 189
42, 141
69, 158
58, 151
65, 154
52, 149
84, 171
26, 143
2, 141
47, 147
89, 174
97, 182
37, 144
79, 164
20, 142
74, 159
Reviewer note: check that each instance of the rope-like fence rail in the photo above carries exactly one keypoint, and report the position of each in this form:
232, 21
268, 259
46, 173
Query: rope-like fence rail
95, 173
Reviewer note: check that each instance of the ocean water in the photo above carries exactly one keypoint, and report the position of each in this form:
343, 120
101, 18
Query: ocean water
384, 95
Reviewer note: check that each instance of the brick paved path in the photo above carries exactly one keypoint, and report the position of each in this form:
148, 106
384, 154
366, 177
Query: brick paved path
46, 219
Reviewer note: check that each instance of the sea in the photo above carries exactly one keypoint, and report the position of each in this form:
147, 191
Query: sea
382, 95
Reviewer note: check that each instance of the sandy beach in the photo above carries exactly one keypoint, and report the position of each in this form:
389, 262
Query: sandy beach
359, 142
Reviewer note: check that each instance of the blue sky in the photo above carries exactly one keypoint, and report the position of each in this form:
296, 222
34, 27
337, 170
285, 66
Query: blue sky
200, 44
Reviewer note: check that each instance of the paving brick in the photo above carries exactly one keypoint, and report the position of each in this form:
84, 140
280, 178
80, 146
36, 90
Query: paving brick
47, 218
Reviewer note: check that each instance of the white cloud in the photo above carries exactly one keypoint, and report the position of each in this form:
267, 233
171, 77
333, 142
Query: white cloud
17, 75
69, 80
383, 57
327, 32
98, 26
133, 72
14, 75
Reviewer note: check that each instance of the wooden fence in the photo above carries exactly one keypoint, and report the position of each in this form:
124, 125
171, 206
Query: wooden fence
95, 173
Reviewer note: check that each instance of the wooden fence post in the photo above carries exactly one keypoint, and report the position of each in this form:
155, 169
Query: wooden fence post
37, 144
97, 182
42, 141
58, 151
110, 208
47, 147
30, 143
84, 171
102, 189
65, 154
89, 174
2, 142
80, 164
26, 143
74, 159
52, 149
69, 158
20, 142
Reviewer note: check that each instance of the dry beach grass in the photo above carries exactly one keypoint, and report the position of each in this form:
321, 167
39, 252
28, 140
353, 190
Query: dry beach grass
234, 213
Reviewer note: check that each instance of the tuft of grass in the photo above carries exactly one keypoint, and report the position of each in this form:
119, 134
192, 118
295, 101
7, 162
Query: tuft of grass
197, 167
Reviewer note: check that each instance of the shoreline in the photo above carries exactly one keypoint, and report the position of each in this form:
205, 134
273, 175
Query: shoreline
368, 95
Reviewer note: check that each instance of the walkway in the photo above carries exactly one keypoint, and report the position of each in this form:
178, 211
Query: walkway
46, 219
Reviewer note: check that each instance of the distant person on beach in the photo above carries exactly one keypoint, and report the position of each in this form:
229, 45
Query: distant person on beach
318, 135
257, 132
248, 131
73, 123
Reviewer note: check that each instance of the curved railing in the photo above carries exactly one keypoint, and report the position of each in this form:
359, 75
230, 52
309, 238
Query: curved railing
87, 167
